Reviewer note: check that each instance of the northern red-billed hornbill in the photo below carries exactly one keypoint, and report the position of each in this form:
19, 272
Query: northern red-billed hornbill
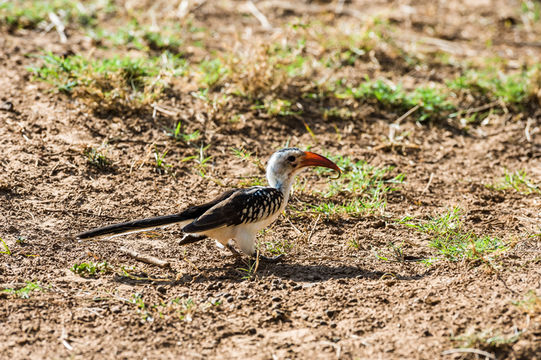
238, 214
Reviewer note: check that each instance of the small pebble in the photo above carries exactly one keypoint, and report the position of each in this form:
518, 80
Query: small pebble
330, 313
7, 106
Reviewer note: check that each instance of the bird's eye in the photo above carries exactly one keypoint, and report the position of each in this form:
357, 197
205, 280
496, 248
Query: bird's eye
291, 158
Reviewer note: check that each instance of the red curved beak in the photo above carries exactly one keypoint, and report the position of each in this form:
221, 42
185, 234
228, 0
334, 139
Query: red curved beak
313, 159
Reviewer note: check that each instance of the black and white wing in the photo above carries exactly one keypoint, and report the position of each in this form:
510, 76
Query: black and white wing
243, 206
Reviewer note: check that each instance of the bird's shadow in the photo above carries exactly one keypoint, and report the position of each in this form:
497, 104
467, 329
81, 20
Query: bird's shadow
301, 273
239, 271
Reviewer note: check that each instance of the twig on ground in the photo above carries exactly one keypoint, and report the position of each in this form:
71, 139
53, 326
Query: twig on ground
444, 45
312, 231
145, 258
527, 129
258, 15
408, 113
184, 7
63, 339
163, 110
294, 227
470, 351
256, 261
476, 109
94, 311
31, 215
182, 10
59, 26
428, 184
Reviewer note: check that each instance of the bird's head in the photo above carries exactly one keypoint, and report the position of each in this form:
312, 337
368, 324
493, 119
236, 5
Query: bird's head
286, 163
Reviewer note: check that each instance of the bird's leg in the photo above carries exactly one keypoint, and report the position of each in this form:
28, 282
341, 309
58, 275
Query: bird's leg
234, 252
271, 259
189, 239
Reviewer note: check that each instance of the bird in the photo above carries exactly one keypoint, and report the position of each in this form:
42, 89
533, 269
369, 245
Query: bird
238, 214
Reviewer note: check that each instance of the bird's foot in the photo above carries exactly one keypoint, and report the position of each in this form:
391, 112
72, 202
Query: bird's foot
271, 259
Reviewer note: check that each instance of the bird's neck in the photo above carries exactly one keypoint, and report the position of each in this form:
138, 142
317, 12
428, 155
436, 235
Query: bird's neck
279, 179
284, 185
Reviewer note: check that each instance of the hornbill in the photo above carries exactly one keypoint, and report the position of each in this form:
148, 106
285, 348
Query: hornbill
238, 214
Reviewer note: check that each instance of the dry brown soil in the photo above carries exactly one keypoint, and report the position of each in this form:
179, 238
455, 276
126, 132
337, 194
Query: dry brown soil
326, 300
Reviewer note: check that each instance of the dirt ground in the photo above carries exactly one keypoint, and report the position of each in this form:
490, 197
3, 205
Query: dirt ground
327, 299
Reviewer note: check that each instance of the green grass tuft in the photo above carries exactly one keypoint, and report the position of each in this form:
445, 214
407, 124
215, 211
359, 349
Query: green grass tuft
201, 160
160, 164
250, 271
532, 10
487, 339
187, 309
178, 134
6, 250
24, 293
512, 89
517, 180
531, 303
281, 107
97, 158
141, 37
212, 72
90, 269
432, 104
280, 246
448, 236
142, 308
364, 185
116, 85
31, 14
393, 252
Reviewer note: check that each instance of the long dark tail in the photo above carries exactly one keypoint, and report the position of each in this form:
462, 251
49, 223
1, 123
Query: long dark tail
136, 225
191, 213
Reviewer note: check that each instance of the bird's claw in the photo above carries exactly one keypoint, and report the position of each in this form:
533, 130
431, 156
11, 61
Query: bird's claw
271, 259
